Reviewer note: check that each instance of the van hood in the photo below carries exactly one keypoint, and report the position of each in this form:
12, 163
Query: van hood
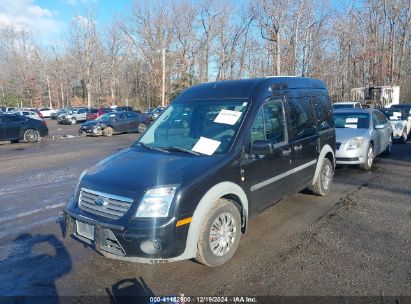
132, 171
345, 134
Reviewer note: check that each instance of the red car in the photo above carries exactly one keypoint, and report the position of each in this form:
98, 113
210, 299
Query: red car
94, 113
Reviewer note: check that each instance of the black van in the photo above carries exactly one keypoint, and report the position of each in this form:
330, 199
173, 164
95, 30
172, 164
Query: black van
218, 155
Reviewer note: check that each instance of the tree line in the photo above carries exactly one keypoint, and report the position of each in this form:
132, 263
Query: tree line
120, 62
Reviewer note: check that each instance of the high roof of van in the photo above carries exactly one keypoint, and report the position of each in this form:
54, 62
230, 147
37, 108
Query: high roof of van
247, 88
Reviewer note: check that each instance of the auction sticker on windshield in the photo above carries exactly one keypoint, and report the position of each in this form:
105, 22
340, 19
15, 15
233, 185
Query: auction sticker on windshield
206, 146
227, 117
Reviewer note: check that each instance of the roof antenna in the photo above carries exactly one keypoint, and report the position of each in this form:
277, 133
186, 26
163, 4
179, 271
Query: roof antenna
217, 79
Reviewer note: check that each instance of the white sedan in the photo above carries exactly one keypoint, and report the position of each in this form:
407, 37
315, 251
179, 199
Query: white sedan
26, 113
46, 112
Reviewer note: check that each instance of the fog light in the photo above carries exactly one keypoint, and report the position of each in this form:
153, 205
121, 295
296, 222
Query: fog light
151, 246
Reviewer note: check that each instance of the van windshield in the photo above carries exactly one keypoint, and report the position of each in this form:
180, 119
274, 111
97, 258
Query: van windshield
197, 127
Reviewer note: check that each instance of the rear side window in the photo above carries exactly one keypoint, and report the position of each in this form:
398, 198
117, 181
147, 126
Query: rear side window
12, 118
270, 123
301, 118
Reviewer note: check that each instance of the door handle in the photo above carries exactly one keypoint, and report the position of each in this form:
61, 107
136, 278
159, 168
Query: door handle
298, 148
285, 152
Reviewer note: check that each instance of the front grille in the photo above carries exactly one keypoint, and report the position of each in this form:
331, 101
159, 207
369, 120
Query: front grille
103, 204
337, 145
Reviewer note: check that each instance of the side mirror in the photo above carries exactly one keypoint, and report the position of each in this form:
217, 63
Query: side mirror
379, 127
261, 147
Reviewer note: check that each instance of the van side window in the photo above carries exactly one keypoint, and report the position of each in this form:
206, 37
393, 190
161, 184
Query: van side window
302, 124
323, 111
270, 123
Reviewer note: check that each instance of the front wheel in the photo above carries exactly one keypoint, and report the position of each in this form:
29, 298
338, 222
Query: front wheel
324, 179
369, 159
220, 234
108, 131
404, 137
73, 121
388, 149
31, 136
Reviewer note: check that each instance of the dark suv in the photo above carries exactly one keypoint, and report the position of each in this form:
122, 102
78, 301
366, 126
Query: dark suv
218, 155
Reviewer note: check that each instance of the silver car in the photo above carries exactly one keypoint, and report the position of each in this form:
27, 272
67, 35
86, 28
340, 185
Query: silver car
362, 134
72, 116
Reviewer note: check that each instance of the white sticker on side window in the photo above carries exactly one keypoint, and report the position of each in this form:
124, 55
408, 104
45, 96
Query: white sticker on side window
352, 126
206, 146
351, 120
227, 117
397, 114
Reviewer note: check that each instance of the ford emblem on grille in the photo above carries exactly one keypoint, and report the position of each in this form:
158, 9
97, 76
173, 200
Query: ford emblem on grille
101, 202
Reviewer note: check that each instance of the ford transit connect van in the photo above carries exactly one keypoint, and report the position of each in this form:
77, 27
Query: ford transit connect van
218, 155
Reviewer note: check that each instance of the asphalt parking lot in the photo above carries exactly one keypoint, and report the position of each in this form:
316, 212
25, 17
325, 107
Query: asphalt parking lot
354, 242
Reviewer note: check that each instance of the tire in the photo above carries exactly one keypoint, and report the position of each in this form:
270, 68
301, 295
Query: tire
31, 136
388, 149
369, 159
81, 133
211, 251
404, 137
322, 185
108, 131
141, 127
73, 121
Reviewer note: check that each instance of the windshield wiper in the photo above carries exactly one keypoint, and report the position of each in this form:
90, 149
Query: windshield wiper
181, 150
152, 148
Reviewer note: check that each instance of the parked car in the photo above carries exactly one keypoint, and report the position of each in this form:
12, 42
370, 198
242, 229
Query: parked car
6, 109
156, 113
31, 114
94, 113
347, 105
362, 134
400, 122
404, 106
124, 109
17, 127
116, 122
185, 192
57, 113
73, 116
47, 112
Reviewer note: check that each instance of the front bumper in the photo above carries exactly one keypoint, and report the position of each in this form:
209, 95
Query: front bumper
350, 157
64, 120
148, 243
90, 131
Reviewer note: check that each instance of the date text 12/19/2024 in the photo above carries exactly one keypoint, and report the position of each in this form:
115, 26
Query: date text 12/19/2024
202, 299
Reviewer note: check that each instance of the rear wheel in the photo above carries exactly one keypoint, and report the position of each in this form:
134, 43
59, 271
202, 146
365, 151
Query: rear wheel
31, 136
141, 127
324, 180
108, 131
369, 159
73, 121
220, 234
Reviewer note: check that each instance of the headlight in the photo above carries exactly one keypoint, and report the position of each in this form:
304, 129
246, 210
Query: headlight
398, 126
355, 143
156, 202
79, 180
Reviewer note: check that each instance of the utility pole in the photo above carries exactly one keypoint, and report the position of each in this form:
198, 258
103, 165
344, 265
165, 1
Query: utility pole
164, 78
